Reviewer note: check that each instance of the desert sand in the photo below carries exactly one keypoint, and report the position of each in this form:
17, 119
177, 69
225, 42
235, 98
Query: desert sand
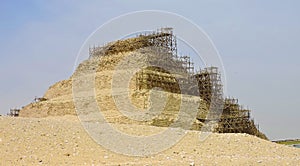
63, 141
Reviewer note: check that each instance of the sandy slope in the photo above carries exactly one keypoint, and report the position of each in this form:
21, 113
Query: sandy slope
62, 140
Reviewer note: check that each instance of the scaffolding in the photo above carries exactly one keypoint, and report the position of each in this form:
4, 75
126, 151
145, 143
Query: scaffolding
234, 118
156, 77
162, 38
209, 84
187, 64
13, 112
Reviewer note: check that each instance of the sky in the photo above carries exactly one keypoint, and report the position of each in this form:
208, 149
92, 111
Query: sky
258, 42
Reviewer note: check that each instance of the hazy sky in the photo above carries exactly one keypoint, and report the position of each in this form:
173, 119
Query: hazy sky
257, 40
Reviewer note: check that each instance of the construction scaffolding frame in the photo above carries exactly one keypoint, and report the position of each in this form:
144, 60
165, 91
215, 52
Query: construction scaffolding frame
13, 112
234, 118
162, 38
209, 84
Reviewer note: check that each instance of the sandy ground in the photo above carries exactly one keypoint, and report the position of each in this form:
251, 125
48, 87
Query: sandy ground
63, 141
